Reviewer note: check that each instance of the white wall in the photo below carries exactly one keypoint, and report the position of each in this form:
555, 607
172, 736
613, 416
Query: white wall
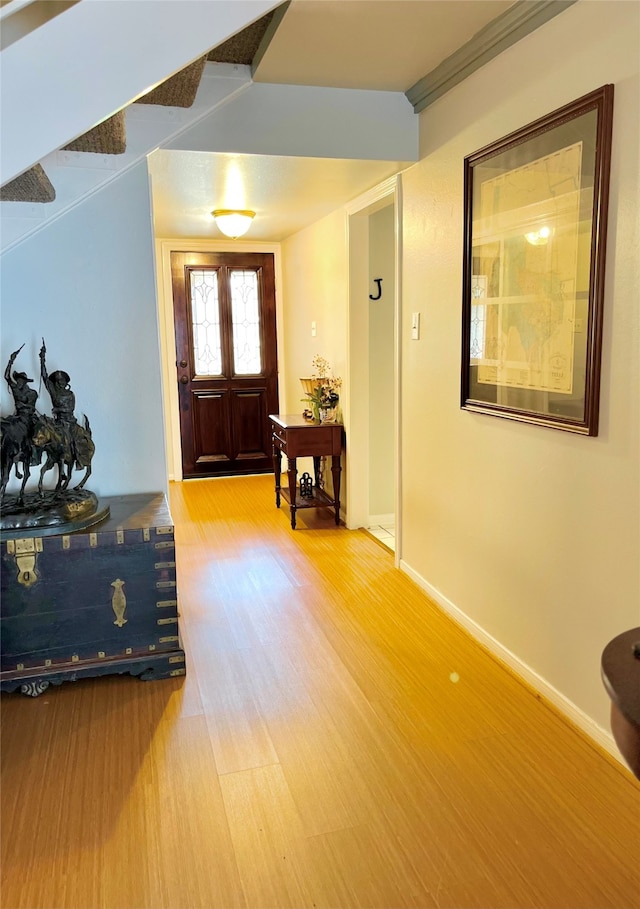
308, 120
315, 288
532, 533
86, 284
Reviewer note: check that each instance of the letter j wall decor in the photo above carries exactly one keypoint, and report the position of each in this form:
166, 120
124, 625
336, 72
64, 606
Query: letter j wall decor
535, 231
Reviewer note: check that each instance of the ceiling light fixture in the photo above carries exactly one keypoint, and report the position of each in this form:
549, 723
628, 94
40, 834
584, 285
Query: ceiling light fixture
233, 223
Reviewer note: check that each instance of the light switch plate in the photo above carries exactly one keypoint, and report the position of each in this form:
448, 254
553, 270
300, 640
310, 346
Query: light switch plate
415, 326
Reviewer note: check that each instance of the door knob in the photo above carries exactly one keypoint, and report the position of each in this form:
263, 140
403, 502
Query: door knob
184, 380
183, 363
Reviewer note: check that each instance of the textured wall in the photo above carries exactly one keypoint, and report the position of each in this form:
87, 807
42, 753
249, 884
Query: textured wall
531, 532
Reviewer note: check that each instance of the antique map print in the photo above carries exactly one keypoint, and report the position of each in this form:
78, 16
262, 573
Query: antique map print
524, 282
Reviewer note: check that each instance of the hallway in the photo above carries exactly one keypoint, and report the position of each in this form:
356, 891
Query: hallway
337, 741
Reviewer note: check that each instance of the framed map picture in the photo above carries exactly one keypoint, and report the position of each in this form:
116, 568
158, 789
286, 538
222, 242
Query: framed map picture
533, 274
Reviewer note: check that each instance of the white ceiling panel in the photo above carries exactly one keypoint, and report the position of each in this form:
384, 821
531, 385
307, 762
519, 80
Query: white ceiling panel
286, 193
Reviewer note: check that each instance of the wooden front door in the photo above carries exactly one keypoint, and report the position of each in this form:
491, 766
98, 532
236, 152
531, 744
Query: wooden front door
227, 367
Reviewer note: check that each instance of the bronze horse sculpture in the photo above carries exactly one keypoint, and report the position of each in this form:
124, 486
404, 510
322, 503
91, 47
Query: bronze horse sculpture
16, 430
15, 451
64, 449
26, 435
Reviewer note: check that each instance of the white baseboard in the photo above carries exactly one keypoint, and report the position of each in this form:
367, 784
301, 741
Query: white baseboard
580, 719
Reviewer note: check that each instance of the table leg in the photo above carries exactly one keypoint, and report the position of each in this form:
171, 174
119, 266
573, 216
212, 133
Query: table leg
276, 472
293, 474
317, 463
335, 472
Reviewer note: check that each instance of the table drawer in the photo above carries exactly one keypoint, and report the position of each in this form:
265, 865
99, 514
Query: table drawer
300, 444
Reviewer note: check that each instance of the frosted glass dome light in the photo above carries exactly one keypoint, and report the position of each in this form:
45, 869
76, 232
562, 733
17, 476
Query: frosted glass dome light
233, 223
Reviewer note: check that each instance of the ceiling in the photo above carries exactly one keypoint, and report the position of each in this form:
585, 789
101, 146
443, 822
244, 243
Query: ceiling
287, 193
383, 45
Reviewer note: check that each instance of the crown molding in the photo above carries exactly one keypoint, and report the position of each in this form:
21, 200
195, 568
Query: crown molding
524, 17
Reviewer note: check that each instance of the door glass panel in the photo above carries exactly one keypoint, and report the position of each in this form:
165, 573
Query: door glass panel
205, 318
245, 321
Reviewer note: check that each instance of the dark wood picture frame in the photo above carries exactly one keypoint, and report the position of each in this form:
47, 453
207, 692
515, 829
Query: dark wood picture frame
535, 228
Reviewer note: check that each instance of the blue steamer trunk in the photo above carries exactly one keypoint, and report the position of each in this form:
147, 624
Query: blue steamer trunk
95, 602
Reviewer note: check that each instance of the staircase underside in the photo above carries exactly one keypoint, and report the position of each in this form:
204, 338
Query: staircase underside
109, 137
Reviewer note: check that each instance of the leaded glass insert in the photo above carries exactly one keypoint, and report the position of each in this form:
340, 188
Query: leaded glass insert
478, 315
245, 320
205, 318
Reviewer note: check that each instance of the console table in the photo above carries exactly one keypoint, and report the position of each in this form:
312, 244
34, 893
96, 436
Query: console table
295, 437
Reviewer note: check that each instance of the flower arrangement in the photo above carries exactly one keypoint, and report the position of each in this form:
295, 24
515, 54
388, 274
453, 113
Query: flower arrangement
322, 389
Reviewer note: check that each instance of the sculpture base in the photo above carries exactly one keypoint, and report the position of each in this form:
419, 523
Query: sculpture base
54, 512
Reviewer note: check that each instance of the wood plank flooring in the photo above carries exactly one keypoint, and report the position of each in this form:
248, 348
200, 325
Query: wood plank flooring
317, 754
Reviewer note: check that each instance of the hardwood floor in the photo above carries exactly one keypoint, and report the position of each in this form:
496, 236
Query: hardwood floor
320, 751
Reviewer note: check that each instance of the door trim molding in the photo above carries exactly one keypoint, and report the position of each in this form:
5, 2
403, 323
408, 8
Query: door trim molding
368, 200
164, 294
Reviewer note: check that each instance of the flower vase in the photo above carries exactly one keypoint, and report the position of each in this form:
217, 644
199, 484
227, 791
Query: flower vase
327, 414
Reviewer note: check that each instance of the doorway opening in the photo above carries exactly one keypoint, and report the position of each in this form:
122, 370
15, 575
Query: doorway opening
382, 469
373, 486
